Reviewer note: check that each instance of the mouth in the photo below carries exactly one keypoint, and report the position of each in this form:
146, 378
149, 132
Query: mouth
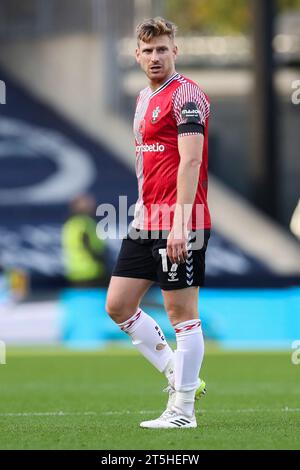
155, 68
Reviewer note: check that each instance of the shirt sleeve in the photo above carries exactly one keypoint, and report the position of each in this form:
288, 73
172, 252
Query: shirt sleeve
191, 109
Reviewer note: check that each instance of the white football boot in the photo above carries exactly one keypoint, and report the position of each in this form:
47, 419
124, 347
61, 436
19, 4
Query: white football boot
171, 419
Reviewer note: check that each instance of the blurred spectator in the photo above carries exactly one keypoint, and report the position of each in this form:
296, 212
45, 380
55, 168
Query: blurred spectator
19, 283
84, 253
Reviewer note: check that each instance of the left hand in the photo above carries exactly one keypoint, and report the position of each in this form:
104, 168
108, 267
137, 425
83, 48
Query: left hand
177, 247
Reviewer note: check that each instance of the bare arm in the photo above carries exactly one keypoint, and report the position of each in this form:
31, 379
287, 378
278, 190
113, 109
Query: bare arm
190, 149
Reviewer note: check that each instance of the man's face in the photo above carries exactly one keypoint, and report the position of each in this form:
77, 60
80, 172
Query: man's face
157, 58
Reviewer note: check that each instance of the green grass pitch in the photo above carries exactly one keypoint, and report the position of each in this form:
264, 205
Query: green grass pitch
95, 400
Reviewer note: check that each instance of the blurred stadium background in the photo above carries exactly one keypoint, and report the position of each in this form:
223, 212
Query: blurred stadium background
68, 88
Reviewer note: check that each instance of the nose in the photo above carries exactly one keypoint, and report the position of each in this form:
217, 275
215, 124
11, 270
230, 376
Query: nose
154, 56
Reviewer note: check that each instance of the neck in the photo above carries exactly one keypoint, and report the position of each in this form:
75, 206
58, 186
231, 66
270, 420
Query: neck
155, 85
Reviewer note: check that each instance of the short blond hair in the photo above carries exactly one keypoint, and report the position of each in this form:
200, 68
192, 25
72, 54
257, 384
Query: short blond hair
155, 27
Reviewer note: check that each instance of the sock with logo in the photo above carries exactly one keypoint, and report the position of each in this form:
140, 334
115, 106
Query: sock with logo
148, 338
188, 360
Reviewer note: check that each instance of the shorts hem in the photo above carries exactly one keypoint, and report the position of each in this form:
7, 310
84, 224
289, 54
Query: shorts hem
132, 276
170, 288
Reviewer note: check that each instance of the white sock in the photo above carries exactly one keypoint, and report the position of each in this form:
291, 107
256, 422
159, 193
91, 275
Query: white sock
148, 338
188, 360
169, 371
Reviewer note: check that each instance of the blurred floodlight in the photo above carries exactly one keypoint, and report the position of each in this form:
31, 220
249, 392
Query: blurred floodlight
295, 221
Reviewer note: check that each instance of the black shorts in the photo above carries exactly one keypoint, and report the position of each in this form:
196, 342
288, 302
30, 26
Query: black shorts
146, 258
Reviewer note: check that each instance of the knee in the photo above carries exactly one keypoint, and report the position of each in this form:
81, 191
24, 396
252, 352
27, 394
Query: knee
118, 310
114, 309
175, 313
178, 313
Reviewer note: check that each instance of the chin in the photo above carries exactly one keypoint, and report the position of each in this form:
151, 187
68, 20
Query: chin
156, 77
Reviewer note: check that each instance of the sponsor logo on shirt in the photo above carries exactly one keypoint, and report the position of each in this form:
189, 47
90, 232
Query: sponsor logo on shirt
190, 113
157, 147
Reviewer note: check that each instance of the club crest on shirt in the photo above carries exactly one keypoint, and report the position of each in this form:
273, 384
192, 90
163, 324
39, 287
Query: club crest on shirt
155, 114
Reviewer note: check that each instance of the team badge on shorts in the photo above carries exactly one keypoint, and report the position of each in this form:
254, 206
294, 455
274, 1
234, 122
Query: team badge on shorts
155, 114
173, 274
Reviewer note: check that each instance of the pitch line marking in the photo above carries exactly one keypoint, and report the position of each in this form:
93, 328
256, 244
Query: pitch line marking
142, 412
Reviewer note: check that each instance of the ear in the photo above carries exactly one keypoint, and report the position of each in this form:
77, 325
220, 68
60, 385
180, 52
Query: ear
175, 51
138, 55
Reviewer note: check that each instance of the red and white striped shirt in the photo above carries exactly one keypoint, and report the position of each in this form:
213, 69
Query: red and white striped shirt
161, 118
